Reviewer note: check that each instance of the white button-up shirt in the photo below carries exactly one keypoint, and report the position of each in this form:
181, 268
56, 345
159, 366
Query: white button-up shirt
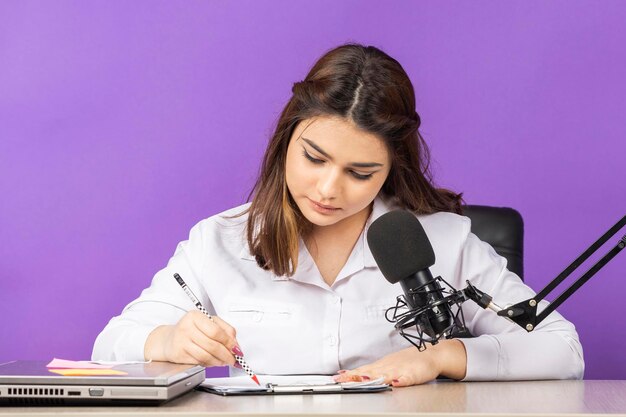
301, 325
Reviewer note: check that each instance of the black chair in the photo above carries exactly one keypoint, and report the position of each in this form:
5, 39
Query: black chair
503, 229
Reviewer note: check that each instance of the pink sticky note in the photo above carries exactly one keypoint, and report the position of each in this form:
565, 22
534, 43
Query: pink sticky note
62, 363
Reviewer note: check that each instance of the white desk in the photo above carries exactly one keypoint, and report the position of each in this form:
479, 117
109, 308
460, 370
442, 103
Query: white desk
554, 398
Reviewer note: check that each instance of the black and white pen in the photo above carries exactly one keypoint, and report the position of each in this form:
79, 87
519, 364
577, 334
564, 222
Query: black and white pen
204, 311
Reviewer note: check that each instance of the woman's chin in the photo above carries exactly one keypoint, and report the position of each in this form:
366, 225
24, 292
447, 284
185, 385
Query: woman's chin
320, 221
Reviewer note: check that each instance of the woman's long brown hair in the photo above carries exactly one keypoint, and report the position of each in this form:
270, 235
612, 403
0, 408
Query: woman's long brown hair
368, 87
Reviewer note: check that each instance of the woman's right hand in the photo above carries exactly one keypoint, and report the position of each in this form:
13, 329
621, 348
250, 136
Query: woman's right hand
195, 339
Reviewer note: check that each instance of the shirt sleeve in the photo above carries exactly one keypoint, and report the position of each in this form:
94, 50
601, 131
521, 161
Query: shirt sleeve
163, 302
502, 350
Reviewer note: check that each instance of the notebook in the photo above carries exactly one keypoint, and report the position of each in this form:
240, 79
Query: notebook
32, 383
289, 384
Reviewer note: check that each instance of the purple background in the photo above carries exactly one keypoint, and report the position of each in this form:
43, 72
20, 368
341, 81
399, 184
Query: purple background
122, 124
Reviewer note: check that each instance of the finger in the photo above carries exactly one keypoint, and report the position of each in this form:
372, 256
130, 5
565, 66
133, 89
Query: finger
401, 381
392, 377
230, 330
348, 377
355, 375
370, 373
213, 347
212, 330
388, 375
366, 372
200, 356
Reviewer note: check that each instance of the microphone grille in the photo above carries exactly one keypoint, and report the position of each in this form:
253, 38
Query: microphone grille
400, 245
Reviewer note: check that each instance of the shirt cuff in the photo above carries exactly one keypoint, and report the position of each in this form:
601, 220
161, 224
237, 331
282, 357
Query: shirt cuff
483, 358
131, 346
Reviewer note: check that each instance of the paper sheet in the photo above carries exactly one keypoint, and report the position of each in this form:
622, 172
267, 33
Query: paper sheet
63, 363
245, 383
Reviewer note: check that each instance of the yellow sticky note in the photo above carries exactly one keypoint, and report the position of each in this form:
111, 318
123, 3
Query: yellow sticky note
87, 372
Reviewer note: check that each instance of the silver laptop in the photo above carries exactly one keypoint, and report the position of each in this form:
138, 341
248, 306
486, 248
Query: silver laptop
31, 383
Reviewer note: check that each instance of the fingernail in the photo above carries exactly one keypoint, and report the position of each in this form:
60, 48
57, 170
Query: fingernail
341, 371
365, 377
237, 351
237, 365
396, 381
336, 377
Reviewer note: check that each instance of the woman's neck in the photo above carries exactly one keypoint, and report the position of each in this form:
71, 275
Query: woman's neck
349, 228
331, 246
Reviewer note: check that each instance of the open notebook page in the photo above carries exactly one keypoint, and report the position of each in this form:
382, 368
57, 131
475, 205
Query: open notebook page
245, 383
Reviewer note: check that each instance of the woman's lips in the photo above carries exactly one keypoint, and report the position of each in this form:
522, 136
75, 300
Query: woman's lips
322, 208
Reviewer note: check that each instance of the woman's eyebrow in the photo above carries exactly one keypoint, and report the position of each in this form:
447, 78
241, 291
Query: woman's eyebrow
352, 164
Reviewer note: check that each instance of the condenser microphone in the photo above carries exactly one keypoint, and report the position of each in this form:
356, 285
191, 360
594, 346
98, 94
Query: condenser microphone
404, 254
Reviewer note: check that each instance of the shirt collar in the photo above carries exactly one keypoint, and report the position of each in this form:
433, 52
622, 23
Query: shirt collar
305, 262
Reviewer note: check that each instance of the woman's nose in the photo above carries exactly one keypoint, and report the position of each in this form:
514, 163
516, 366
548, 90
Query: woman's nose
329, 184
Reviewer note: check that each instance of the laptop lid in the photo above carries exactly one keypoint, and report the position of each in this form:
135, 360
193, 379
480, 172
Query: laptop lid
31, 382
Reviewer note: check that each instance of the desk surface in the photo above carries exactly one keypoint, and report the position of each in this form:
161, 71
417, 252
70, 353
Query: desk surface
469, 398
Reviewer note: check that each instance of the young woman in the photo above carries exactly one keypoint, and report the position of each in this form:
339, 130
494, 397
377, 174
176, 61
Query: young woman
289, 276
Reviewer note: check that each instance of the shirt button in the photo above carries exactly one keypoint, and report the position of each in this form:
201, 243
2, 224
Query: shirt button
337, 300
257, 316
332, 340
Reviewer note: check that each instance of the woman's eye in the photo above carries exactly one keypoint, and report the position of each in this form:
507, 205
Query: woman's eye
310, 158
361, 176
356, 175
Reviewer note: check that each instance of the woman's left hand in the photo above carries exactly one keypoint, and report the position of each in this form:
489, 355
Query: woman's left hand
411, 367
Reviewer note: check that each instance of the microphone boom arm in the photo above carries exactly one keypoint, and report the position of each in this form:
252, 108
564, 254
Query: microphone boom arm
525, 312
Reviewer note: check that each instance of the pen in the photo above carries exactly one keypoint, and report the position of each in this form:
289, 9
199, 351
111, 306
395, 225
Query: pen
204, 311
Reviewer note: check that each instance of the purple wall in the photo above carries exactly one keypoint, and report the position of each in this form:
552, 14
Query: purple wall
122, 124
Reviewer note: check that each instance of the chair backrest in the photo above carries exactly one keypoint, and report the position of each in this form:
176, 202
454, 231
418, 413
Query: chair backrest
503, 229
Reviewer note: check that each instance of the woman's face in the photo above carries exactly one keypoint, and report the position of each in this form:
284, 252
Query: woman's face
334, 170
